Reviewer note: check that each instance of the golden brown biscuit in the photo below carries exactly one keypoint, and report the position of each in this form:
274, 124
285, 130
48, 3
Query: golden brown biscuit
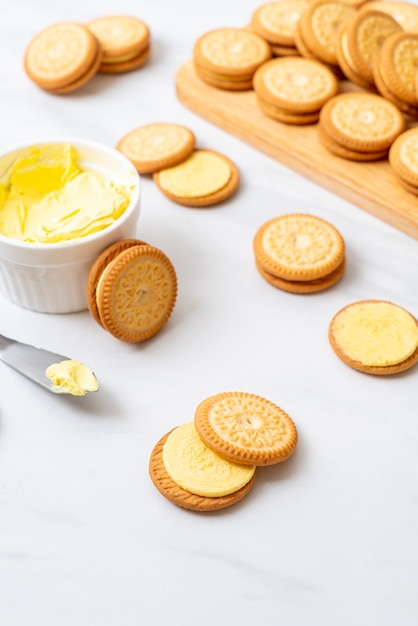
298, 247
403, 157
245, 428
295, 84
62, 57
205, 178
228, 57
319, 25
135, 291
108, 254
362, 122
276, 21
183, 498
375, 337
156, 146
125, 42
366, 32
397, 61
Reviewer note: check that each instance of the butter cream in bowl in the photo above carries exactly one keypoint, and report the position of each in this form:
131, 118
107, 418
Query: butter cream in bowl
61, 203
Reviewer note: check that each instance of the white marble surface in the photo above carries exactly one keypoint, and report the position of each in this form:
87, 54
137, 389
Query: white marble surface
327, 538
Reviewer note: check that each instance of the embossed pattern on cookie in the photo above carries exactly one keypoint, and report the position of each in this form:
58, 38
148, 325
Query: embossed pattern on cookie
246, 428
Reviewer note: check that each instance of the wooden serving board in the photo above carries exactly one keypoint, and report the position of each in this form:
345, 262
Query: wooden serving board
371, 186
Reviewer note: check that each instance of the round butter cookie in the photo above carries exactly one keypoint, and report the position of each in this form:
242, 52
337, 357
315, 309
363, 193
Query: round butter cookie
319, 25
296, 84
405, 13
363, 122
366, 32
228, 57
62, 57
203, 179
156, 146
384, 90
245, 428
346, 63
192, 462
135, 289
397, 62
125, 42
276, 21
375, 337
298, 247
403, 157
108, 254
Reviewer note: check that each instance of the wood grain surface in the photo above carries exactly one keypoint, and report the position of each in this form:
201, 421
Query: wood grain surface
371, 186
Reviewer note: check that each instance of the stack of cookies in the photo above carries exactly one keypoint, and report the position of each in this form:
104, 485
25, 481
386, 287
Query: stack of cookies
293, 89
317, 30
359, 42
131, 290
65, 56
359, 126
299, 253
187, 175
277, 22
403, 158
227, 58
211, 463
125, 42
395, 73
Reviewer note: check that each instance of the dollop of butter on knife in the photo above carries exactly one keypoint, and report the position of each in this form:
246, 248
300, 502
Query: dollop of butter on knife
71, 376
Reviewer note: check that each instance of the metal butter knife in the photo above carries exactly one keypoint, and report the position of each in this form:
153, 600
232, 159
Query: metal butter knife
30, 361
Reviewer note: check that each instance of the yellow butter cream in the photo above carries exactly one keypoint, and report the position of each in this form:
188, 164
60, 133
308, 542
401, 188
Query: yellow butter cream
48, 198
376, 333
197, 469
203, 173
71, 376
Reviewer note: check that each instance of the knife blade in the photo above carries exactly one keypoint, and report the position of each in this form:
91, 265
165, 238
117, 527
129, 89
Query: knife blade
30, 361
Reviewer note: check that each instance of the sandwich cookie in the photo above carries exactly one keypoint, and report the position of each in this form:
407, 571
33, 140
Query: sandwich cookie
62, 57
403, 158
299, 253
131, 290
293, 89
227, 58
363, 123
125, 42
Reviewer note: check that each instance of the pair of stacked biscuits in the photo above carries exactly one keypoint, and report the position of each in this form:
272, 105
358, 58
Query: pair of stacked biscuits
187, 175
299, 253
131, 290
65, 56
211, 463
293, 89
360, 126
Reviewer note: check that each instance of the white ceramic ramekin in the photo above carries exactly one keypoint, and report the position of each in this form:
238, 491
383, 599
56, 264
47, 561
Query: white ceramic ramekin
51, 278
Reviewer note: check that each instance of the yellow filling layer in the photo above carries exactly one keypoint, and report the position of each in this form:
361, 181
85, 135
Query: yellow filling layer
376, 333
49, 199
197, 469
71, 377
202, 174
